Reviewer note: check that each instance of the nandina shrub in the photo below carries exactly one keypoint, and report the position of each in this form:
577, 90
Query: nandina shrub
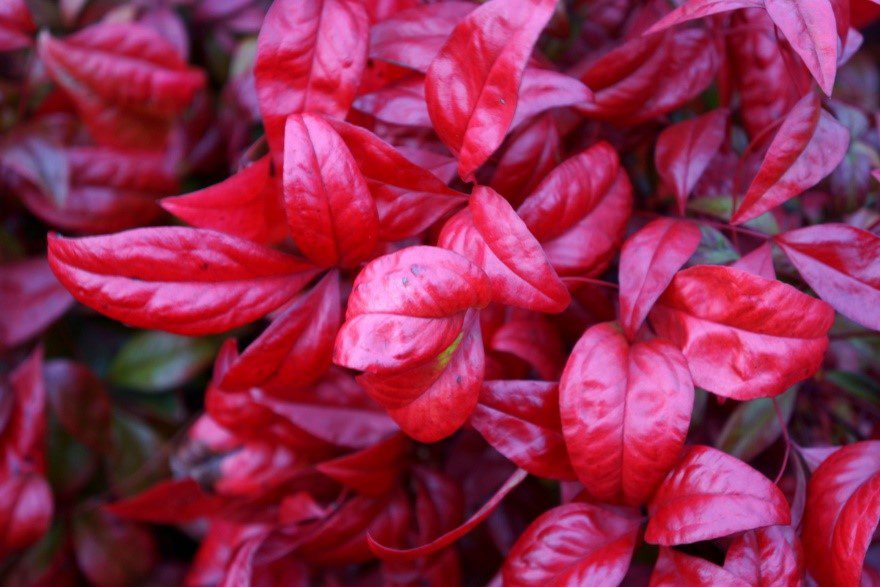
523, 292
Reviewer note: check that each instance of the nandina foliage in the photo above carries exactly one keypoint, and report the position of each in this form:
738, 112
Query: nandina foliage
512, 292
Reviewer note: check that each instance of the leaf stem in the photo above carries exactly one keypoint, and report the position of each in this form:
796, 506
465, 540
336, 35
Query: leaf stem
784, 427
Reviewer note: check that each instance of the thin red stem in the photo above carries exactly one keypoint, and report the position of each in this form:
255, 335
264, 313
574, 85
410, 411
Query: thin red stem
784, 427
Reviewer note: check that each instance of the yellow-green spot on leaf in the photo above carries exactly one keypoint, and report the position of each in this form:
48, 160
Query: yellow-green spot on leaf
446, 356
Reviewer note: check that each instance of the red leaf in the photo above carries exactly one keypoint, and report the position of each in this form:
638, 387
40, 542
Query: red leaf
842, 513
810, 27
433, 399
677, 569
579, 212
393, 554
174, 501
520, 419
247, 205
310, 58
530, 155
710, 494
759, 262
370, 471
127, 81
543, 89
38, 299
806, 148
409, 198
110, 190
413, 37
330, 212
744, 336
574, 544
408, 307
472, 85
181, 280
491, 235
110, 551
693, 9
625, 413
764, 72
23, 426
401, 102
79, 401
534, 340
769, 556
16, 25
683, 152
649, 77
840, 262
648, 262
295, 350
26, 508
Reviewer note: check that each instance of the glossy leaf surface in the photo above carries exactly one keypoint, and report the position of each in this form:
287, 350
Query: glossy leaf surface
625, 413
840, 263
330, 212
304, 65
755, 339
649, 260
574, 544
490, 234
140, 277
472, 85
710, 494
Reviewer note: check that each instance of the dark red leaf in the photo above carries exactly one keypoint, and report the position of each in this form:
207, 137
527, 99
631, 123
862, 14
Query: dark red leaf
16, 25
126, 80
295, 350
472, 85
370, 471
759, 262
693, 9
174, 501
683, 152
530, 155
181, 280
23, 426
393, 554
110, 189
110, 551
533, 339
710, 494
38, 299
811, 29
80, 402
520, 419
26, 508
743, 336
